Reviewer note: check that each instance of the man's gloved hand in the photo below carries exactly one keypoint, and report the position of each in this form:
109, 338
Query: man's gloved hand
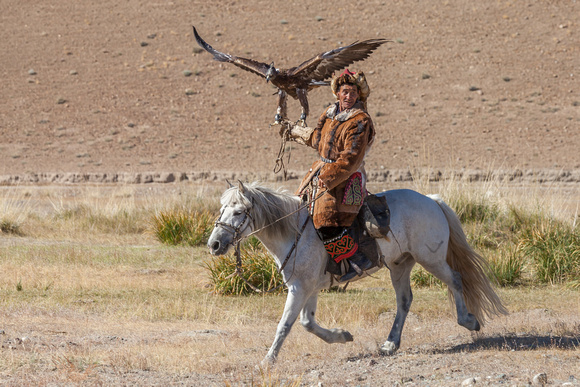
298, 133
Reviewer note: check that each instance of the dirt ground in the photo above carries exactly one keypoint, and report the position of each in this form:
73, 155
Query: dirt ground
436, 352
98, 90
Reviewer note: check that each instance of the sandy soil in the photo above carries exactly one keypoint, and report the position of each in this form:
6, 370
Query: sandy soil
98, 89
58, 349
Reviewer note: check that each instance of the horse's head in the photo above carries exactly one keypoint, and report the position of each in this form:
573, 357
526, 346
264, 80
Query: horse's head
234, 223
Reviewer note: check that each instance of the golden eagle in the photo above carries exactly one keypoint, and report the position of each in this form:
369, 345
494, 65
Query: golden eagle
298, 81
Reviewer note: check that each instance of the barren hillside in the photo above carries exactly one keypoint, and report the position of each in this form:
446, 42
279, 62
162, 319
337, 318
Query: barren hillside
101, 89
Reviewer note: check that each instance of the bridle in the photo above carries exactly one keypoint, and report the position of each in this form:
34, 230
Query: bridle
237, 238
236, 231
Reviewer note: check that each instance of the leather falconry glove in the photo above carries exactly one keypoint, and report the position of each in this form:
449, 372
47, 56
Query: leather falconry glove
298, 133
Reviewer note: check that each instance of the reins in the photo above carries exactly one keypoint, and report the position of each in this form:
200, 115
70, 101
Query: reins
300, 208
239, 271
280, 165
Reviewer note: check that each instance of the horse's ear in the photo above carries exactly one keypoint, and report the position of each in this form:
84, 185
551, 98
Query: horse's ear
241, 187
230, 185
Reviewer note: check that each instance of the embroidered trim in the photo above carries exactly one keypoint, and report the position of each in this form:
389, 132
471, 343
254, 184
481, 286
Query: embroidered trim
354, 192
341, 247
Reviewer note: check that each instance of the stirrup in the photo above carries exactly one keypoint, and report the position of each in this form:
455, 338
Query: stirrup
356, 269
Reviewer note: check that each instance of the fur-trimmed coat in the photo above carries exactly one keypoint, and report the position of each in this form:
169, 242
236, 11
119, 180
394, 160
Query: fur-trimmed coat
342, 140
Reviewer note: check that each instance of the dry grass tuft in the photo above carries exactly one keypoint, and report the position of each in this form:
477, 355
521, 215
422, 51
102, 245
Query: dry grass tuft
15, 207
258, 271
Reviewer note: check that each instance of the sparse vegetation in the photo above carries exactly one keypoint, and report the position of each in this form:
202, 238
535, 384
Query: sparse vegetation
92, 280
523, 243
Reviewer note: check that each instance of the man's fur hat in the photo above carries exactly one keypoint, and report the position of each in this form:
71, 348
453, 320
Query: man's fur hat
357, 79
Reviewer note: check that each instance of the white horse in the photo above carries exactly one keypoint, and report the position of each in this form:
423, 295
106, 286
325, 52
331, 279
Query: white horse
423, 230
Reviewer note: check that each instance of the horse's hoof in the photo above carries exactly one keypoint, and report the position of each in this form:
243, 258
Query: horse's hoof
339, 336
347, 336
472, 324
267, 363
388, 349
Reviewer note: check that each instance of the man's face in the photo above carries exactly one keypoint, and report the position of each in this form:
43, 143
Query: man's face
347, 96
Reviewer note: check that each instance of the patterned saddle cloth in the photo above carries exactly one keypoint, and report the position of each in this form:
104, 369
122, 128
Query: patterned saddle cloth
371, 223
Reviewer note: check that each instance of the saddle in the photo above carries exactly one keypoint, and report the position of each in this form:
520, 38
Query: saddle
375, 216
371, 223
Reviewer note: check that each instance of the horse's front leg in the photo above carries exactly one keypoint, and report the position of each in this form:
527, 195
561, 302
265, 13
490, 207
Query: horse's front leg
401, 279
295, 301
308, 321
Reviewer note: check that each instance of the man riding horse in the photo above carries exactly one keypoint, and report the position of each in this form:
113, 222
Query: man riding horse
335, 184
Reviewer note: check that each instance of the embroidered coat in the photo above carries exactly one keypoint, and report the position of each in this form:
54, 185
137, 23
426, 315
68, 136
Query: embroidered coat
342, 140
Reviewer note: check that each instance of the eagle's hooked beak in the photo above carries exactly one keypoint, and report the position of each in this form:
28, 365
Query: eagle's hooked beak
271, 72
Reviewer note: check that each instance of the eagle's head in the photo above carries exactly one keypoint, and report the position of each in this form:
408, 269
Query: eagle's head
271, 73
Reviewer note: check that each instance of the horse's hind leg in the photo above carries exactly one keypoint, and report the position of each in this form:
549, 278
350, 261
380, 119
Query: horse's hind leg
453, 280
308, 321
401, 279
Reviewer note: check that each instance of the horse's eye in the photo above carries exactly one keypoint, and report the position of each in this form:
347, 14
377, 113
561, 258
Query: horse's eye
237, 213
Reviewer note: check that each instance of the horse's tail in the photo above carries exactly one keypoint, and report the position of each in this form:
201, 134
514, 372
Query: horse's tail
480, 297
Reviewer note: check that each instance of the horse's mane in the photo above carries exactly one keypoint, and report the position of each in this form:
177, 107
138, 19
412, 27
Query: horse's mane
269, 207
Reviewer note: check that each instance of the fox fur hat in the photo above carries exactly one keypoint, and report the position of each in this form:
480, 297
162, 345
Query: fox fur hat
357, 79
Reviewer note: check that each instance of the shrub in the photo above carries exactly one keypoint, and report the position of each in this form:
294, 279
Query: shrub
15, 209
258, 268
474, 210
554, 250
422, 278
507, 267
10, 227
182, 226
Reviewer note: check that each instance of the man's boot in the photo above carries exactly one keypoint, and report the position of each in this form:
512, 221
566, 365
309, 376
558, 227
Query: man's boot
359, 262
366, 255
340, 244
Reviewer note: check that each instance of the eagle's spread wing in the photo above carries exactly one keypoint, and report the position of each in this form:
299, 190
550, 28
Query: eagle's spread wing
243, 63
324, 65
